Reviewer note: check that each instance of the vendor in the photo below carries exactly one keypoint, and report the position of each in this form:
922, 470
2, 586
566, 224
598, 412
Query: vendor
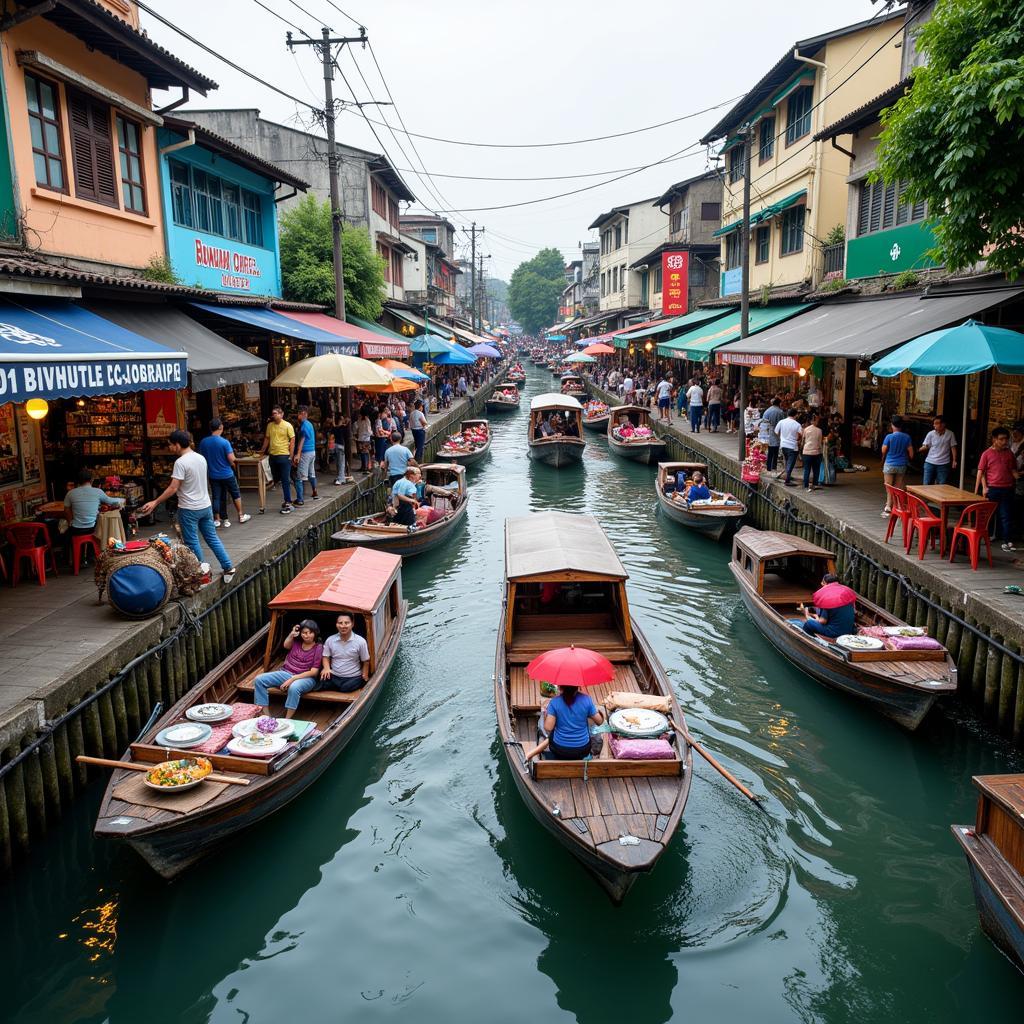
404, 497
831, 622
697, 488
567, 723
82, 505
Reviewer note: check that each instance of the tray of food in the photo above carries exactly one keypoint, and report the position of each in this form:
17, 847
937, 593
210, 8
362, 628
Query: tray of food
178, 775
265, 724
640, 723
183, 734
209, 713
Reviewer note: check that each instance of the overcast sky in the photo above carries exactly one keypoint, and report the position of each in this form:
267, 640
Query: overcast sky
527, 71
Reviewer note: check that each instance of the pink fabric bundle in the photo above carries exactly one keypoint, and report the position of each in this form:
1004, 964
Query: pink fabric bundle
222, 730
878, 632
624, 749
912, 643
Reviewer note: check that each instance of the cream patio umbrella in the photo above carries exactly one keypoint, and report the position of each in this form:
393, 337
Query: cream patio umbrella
332, 370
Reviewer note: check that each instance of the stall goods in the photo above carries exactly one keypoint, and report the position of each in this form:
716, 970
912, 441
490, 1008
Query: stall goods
504, 398
468, 446
595, 415
631, 435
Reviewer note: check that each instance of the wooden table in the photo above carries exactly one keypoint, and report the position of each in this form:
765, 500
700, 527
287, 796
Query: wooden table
944, 497
252, 474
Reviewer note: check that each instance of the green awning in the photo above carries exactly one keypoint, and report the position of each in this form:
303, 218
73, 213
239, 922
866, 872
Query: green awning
807, 78
783, 204
376, 328
417, 321
678, 323
727, 229
698, 345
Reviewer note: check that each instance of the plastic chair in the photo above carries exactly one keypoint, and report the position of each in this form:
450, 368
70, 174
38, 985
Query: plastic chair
973, 526
30, 541
84, 540
924, 521
899, 509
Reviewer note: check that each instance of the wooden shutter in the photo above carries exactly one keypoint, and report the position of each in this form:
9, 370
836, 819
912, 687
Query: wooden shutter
92, 149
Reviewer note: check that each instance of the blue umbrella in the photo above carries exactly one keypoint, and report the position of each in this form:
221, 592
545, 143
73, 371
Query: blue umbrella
428, 345
485, 350
969, 347
454, 355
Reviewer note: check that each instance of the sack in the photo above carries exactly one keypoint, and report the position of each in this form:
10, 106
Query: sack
650, 702
624, 749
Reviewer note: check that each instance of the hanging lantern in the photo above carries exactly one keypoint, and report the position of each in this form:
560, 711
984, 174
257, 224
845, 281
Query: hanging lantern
37, 408
648, 346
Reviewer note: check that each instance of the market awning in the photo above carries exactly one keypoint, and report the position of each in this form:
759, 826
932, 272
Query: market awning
55, 349
862, 328
417, 321
727, 229
369, 325
774, 209
371, 345
698, 345
687, 322
269, 321
212, 361
620, 336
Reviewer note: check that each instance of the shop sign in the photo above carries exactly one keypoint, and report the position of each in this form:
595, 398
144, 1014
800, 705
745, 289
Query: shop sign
161, 414
237, 269
21, 381
758, 359
383, 350
674, 282
732, 281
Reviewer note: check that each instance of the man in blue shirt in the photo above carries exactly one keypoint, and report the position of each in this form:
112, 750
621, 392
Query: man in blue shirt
304, 458
220, 463
404, 495
82, 506
897, 451
398, 458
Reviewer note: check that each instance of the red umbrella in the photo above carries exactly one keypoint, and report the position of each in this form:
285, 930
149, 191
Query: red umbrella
834, 595
599, 348
571, 666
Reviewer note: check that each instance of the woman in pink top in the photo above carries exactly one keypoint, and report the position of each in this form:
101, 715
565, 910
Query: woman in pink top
305, 653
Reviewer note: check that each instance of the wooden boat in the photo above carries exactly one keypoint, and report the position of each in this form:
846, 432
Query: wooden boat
573, 384
776, 572
994, 848
517, 375
365, 583
586, 805
449, 453
445, 491
598, 421
649, 450
560, 449
712, 519
504, 398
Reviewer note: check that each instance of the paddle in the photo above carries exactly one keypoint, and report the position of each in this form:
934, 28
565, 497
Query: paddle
133, 766
719, 768
539, 749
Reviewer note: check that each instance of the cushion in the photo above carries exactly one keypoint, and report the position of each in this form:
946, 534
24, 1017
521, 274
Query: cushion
624, 699
624, 749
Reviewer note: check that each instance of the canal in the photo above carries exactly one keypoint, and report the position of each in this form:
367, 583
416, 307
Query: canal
411, 884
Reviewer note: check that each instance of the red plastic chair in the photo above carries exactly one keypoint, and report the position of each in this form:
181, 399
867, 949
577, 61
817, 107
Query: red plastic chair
973, 527
31, 541
924, 521
899, 510
84, 540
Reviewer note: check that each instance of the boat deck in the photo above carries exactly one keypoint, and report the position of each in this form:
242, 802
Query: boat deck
525, 693
526, 645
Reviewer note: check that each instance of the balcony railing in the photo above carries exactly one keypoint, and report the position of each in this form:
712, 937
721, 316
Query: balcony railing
834, 259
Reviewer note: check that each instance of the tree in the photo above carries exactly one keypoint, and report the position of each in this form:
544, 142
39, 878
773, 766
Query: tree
535, 289
307, 261
957, 138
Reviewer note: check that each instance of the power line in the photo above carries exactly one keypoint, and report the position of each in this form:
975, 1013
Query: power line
280, 17
355, 22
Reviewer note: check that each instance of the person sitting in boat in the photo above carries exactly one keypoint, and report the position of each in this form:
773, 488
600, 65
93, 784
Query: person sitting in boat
697, 488
567, 723
346, 660
405, 497
839, 619
543, 429
303, 661
571, 430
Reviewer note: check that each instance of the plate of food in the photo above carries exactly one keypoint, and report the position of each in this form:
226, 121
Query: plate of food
178, 775
257, 744
183, 734
638, 722
856, 642
265, 724
209, 713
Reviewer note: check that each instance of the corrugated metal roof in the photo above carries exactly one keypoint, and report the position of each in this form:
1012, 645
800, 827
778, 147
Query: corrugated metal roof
554, 542
353, 578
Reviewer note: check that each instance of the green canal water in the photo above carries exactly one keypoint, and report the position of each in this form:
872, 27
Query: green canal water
411, 884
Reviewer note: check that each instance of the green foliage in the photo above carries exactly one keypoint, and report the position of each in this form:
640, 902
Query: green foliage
535, 289
307, 261
159, 269
834, 284
836, 236
905, 279
957, 137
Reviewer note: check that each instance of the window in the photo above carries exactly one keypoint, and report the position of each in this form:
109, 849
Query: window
625, 232
622, 276
44, 123
676, 223
762, 241
378, 199
798, 114
604, 285
429, 235
206, 194
92, 151
732, 250
385, 254
129, 149
710, 211
181, 195
793, 230
392, 212
397, 259
881, 206
698, 273
252, 209
737, 166
618, 236
766, 140
231, 196
615, 279
657, 278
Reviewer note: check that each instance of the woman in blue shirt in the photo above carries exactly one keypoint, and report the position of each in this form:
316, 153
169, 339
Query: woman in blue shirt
897, 451
567, 723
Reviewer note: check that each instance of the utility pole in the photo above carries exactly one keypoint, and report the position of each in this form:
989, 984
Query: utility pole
483, 293
472, 276
324, 48
745, 279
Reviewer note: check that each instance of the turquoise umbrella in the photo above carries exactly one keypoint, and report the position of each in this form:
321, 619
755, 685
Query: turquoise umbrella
969, 347
581, 357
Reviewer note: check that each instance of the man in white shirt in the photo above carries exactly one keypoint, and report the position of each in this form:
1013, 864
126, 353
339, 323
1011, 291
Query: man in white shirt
695, 400
195, 512
664, 391
940, 445
346, 665
627, 389
789, 433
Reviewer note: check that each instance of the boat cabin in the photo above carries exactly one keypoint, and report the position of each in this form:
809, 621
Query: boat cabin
784, 570
544, 407
444, 484
636, 415
573, 384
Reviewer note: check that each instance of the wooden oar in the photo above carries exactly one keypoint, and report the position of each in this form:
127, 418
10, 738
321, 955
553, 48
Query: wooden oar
134, 766
539, 749
719, 768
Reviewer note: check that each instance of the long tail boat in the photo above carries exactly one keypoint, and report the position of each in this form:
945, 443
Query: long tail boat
712, 518
466, 452
777, 572
622, 421
564, 585
994, 848
170, 837
595, 416
504, 398
558, 449
445, 493
572, 384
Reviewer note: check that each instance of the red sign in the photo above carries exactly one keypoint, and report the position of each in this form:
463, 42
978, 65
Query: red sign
675, 268
161, 414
